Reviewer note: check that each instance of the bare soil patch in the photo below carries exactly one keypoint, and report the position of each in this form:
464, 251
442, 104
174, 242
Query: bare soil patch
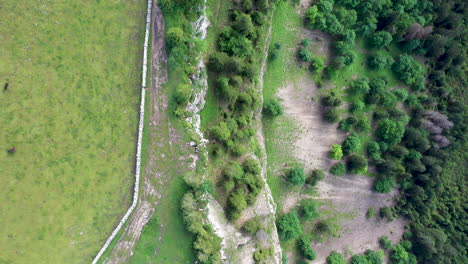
348, 194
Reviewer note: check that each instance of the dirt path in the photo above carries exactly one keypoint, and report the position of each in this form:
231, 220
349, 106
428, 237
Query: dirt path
150, 193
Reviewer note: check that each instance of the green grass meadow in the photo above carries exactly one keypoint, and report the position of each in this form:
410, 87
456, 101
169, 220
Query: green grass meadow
71, 110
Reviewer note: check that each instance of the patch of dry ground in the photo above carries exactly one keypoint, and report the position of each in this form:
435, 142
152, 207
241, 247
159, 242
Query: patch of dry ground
348, 194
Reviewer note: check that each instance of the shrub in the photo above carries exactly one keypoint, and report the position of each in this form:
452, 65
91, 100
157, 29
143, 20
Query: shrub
217, 61
385, 243
221, 132
237, 203
234, 44
362, 125
357, 107
289, 226
296, 176
251, 165
262, 254
317, 65
387, 212
183, 93
331, 100
233, 171
305, 55
357, 164
331, 115
347, 124
373, 150
370, 213
351, 144
304, 246
272, 107
252, 226
174, 36
306, 42
336, 258
309, 209
401, 94
338, 169
336, 153
399, 254
316, 176
384, 185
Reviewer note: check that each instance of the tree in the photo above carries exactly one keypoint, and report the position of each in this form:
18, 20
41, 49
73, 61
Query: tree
336, 258
174, 36
237, 203
336, 153
234, 44
309, 209
338, 169
351, 144
399, 255
408, 70
380, 39
357, 164
379, 62
359, 86
289, 226
296, 176
306, 250
373, 151
401, 94
272, 107
390, 131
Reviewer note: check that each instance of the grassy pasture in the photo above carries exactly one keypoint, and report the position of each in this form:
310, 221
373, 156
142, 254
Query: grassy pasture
71, 112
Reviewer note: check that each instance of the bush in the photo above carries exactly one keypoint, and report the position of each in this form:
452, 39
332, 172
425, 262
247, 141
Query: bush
359, 86
357, 107
336, 258
399, 254
385, 243
305, 55
373, 151
370, 213
390, 132
384, 185
272, 107
252, 226
336, 153
380, 39
387, 212
317, 65
289, 226
347, 124
217, 61
309, 209
221, 132
304, 246
262, 254
316, 176
357, 164
351, 144
296, 176
233, 171
338, 169
331, 115
174, 37
183, 93
306, 42
237, 203
401, 94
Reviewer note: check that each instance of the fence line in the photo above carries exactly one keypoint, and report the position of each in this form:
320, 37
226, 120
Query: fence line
140, 137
